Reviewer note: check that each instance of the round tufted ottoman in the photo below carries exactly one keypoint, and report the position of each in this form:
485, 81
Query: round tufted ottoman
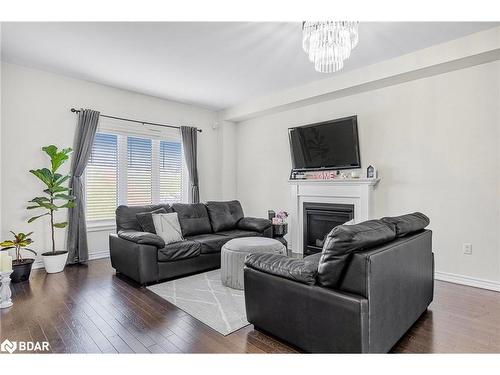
233, 255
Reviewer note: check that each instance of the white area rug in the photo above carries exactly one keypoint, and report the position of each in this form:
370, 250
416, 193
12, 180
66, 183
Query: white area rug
205, 298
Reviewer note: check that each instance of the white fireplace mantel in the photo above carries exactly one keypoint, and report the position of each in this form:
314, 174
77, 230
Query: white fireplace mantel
356, 191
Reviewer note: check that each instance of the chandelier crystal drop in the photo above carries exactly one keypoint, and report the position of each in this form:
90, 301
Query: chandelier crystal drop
329, 43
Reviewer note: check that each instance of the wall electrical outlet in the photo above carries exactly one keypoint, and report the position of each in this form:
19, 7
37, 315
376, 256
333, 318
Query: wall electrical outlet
467, 248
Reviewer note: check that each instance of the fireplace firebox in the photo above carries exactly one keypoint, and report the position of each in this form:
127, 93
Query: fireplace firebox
319, 220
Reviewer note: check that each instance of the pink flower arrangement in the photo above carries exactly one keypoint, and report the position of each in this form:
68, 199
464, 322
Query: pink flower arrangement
280, 217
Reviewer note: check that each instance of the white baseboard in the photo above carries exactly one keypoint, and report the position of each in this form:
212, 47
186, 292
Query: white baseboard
467, 280
92, 256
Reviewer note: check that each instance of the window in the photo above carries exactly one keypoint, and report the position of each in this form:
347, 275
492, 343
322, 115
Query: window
139, 171
133, 166
170, 171
101, 177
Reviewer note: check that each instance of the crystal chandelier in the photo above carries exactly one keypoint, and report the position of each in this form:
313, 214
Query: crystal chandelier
329, 43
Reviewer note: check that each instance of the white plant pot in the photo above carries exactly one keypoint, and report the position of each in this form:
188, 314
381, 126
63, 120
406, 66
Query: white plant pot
54, 263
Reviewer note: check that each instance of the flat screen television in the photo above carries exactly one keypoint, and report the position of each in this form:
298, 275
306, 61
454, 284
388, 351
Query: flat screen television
326, 145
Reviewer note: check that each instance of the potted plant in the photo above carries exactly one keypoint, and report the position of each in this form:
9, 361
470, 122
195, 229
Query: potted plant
56, 197
21, 267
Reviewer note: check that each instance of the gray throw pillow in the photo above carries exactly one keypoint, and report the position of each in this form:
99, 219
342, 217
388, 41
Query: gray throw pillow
167, 227
145, 219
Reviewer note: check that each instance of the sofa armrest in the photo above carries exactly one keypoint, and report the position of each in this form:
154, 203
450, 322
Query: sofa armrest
135, 260
402, 273
143, 238
253, 223
301, 270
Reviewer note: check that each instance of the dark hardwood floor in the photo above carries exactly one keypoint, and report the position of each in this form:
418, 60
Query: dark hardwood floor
88, 309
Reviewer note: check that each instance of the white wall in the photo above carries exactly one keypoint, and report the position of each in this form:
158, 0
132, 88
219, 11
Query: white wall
436, 144
36, 112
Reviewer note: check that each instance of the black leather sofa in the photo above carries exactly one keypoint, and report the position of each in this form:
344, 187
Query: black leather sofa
371, 282
144, 257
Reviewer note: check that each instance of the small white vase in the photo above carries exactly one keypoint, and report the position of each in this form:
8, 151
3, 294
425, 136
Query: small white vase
54, 263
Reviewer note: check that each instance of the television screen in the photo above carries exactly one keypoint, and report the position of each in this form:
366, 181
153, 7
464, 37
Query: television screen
326, 145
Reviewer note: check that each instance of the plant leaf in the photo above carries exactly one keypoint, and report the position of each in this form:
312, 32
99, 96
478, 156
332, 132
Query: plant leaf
69, 204
64, 196
44, 175
7, 243
25, 243
49, 206
57, 158
57, 189
37, 217
50, 150
40, 199
61, 225
62, 179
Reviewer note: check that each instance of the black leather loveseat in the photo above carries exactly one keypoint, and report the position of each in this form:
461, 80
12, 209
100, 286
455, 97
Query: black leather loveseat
144, 257
371, 282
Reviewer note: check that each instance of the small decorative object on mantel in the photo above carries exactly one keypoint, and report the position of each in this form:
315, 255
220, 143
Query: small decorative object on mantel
321, 175
5, 271
371, 172
297, 175
327, 175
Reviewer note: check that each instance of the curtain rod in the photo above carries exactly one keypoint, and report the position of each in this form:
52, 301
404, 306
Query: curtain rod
136, 121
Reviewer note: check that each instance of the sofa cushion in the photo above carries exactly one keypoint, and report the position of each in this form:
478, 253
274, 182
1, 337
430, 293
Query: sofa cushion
210, 243
254, 224
126, 219
145, 219
301, 270
343, 240
141, 238
193, 218
224, 215
237, 233
406, 224
179, 250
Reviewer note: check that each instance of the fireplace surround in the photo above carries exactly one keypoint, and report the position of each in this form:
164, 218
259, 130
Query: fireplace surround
358, 193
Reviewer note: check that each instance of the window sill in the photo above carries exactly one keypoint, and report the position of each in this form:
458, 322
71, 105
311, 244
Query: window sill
101, 226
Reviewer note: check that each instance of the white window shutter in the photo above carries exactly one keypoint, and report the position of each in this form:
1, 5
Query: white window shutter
133, 169
101, 178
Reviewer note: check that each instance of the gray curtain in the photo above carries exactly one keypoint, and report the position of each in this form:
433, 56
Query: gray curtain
189, 143
77, 227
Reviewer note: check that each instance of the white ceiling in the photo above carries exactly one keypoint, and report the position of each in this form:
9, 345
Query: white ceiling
212, 64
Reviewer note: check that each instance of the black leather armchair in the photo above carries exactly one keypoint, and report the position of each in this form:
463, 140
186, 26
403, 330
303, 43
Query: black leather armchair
381, 291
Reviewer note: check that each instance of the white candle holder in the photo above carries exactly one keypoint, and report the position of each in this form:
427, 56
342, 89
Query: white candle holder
5, 292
